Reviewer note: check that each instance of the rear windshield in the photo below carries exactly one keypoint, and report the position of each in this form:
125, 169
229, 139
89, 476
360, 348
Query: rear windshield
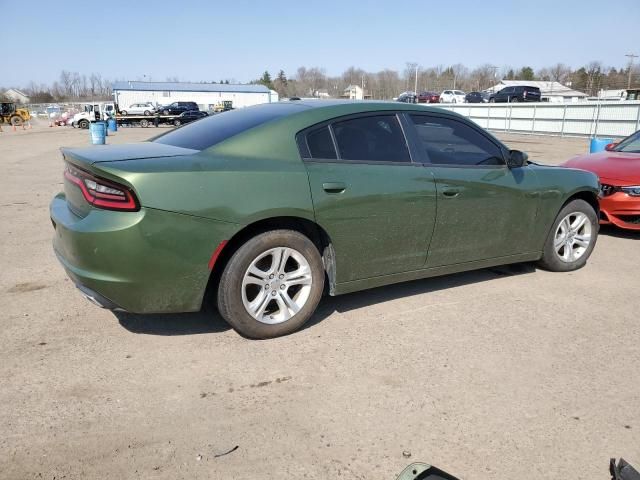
216, 128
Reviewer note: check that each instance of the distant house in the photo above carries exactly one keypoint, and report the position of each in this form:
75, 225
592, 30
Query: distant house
16, 96
322, 93
355, 92
551, 91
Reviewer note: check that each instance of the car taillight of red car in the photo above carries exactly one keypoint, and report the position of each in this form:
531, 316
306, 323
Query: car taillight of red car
101, 193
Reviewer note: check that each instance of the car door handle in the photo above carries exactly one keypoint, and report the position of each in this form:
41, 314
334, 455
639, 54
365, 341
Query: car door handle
334, 187
451, 192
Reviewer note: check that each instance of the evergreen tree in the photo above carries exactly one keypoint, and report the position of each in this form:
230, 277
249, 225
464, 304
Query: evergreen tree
266, 80
526, 73
282, 78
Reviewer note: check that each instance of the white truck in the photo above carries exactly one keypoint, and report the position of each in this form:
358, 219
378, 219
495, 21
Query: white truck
94, 112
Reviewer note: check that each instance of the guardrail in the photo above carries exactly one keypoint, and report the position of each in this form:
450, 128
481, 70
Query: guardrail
592, 119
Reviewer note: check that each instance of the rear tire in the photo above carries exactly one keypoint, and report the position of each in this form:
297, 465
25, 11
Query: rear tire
165, 112
144, 123
270, 299
147, 113
123, 112
177, 123
514, 100
572, 238
492, 100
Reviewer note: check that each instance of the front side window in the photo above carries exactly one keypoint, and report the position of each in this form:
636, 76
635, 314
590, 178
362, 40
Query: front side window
450, 142
630, 144
377, 138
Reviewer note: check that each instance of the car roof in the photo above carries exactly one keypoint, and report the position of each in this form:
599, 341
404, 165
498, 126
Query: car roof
358, 106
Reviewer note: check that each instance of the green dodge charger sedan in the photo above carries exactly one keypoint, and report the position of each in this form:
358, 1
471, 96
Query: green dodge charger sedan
265, 207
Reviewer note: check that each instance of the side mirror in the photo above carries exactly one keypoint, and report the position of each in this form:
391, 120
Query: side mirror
517, 159
610, 146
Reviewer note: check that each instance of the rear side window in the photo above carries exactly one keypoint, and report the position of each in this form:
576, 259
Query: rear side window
320, 144
216, 128
376, 138
450, 142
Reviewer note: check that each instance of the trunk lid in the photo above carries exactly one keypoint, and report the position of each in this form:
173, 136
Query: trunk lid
129, 151
90, 158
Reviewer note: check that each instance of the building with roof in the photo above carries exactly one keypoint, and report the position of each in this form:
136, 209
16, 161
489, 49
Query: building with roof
16, 95
551, 91
355, 92
206, 95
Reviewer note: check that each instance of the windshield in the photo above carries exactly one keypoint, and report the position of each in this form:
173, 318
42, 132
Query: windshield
630, 144
216, 128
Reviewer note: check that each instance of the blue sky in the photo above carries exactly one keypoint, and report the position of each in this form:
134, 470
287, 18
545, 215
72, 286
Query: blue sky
238, 39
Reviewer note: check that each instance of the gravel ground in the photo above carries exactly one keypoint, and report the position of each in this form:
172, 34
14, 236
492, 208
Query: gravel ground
496, 374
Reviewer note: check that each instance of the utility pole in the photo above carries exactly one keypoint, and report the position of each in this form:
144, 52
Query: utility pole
631, 56
494, 69
415, 90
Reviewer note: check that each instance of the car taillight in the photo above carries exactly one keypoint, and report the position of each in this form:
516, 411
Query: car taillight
524, 94
101, 193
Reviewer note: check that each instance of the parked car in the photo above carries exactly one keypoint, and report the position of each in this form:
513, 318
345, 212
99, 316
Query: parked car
139, 109
258, 206
407, 97
188, 117
619, 170
428, 97
176, 108
516, 94
476, 97
452, 96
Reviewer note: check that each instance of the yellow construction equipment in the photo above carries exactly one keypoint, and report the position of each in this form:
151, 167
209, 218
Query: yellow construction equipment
12, 115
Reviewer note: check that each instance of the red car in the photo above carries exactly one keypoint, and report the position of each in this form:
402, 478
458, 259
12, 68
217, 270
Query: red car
428, 97
619, 170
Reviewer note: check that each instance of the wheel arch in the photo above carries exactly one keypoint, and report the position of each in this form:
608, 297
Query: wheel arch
309, 228
588, 196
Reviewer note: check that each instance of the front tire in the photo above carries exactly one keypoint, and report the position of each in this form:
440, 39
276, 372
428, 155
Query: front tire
147, 113
123, 112
16, 121
271, 285
83, 124
571, 239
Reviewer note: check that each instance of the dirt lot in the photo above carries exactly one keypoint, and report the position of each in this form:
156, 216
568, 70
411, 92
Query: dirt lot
499, 374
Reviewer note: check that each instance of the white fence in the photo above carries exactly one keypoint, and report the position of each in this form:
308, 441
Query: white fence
611, 119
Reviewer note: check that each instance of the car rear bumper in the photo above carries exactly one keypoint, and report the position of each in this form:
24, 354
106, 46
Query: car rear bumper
621, 210
150, 261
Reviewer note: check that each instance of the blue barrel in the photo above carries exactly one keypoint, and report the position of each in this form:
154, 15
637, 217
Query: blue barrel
98, 131
598, 144
112, 126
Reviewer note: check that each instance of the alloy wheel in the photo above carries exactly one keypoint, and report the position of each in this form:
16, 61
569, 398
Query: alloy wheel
572, 237
276, 285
